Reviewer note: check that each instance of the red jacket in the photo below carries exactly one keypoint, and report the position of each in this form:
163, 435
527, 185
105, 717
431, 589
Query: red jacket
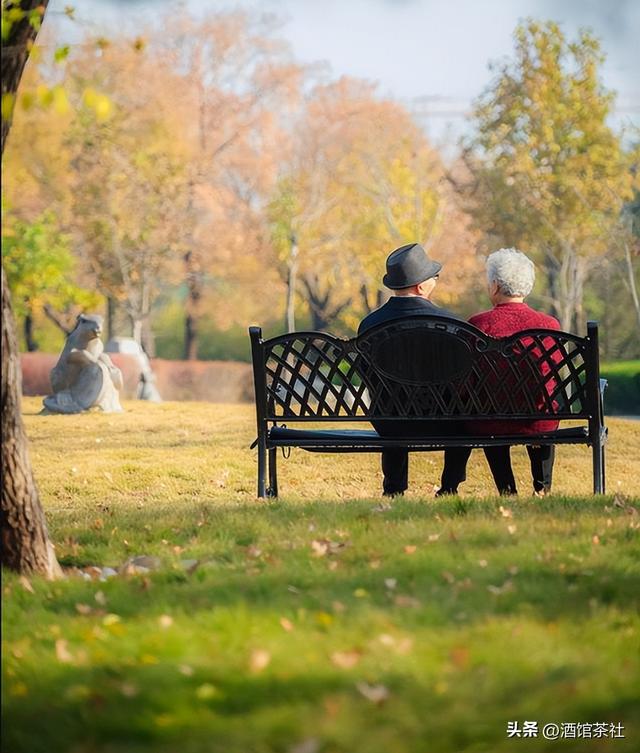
501, 321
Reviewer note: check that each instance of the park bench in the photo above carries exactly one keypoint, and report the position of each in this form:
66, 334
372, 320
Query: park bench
429, 367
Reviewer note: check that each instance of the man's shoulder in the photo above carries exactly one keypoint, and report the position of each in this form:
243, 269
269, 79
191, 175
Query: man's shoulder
400, 308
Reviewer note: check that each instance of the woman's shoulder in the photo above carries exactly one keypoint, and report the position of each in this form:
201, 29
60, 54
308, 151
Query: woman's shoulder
482, 317
542, 320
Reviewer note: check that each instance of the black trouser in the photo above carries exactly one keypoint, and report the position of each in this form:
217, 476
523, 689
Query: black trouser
395, 460
541, 459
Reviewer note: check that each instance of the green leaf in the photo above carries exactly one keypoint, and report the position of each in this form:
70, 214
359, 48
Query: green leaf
61, 53
8, 103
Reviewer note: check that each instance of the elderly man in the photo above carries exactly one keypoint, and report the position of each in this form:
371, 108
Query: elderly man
510, 278
412, 277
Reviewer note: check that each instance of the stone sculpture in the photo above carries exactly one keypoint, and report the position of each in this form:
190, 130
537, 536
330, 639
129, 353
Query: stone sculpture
84, 376
147, 389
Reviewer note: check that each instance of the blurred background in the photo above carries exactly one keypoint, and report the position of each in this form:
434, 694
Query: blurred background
188, 169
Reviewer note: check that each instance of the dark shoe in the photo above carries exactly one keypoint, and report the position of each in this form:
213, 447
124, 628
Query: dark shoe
446, 492
393, 494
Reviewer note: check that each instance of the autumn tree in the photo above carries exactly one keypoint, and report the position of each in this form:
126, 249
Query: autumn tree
40, 270
26, 546
128, 177
549, 174
360, 180
236, 79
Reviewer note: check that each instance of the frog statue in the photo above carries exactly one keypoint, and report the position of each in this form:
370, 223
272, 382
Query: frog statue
84, 376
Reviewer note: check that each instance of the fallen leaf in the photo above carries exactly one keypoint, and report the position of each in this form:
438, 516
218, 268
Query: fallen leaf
100, 598
63, 654
320, 548
346, 659
459, 656
83, 609
449, 577
390, 583
260, 659
324, 619
483, 563
410, 548
129, 690
286, 624
497, 590
377, 694
382, 507
206, 691
401, 600
434, 536
185, 670
512, 529
595, 539
505, 512
324, 546
165, 620
311, 745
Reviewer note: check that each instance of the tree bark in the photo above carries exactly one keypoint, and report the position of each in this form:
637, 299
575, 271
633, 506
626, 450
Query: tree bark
23, 530
292, 273
29, 340
632, 279
15, 51
25, 540
52, 316
111, 310
194, 294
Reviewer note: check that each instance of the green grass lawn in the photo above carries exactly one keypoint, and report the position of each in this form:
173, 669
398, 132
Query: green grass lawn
325, 622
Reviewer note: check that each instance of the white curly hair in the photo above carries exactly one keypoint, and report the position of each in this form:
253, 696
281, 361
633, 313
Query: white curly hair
512, 270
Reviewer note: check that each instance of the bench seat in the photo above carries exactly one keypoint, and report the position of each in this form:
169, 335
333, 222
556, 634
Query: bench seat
368, 440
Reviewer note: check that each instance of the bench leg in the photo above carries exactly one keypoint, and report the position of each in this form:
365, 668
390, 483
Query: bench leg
604, 474
272, 491
262, 469
598, 472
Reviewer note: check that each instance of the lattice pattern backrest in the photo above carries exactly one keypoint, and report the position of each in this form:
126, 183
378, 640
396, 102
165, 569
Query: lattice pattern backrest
313, 374
428, 367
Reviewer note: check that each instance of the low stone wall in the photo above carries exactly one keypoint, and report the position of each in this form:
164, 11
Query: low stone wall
212, 381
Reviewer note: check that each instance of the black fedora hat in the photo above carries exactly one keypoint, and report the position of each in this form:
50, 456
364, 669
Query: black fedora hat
409, 265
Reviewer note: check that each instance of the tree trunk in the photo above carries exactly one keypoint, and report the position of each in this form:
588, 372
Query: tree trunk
632, 279
194, 294
15, 52
23, 530
552, 270
25, 540
30, 343
111, 306
292, 273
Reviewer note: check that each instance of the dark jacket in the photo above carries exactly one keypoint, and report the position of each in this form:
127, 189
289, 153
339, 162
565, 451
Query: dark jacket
401, 307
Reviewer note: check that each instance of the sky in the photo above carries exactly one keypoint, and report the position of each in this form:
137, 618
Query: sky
432, 55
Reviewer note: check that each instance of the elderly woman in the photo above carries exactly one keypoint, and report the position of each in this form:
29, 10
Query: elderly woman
510, 277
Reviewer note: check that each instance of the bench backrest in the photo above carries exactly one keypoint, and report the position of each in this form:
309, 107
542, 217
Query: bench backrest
431, 367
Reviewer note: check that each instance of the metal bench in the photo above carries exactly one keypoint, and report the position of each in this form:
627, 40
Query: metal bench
417, 370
